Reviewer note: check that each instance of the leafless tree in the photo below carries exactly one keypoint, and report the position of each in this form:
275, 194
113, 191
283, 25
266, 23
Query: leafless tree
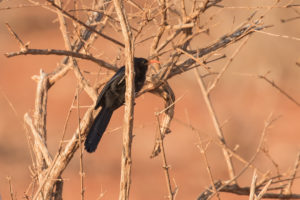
177, 24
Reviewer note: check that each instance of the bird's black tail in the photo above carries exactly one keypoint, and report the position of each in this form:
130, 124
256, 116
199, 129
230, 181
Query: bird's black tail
97, 129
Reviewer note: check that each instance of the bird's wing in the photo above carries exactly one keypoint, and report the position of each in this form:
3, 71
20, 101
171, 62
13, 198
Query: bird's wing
118, 76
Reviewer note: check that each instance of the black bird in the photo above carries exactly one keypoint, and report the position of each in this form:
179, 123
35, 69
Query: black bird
112, 97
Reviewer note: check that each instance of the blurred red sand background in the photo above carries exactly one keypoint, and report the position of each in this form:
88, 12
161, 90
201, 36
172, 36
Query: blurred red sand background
243, 100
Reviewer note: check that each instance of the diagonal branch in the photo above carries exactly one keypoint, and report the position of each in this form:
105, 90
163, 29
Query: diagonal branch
216, 123
272, 83
65, 13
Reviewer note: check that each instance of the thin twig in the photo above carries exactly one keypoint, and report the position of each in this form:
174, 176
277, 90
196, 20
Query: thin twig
267, 125
229, 61
279, 89
81, 171
219, 143
280, 36
11, 191
66, 123
164, 159
216, 123
22, 45
264, 190
208, 169
65, 13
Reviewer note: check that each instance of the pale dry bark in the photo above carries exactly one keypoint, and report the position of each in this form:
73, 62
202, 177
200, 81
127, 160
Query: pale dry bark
126, 159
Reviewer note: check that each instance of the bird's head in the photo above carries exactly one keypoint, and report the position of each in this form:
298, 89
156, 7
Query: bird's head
142, 62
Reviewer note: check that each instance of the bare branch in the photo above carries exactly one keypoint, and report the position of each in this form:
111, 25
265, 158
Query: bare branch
164, 158
22, 45
126, 161
65, 13
216, 123
40, 144
213, 85
62, 53
279, 89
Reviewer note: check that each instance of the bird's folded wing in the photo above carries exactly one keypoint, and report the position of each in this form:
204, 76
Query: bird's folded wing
120, 74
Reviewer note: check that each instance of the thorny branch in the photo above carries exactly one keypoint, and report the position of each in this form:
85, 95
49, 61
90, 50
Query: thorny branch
216, 123
272, 83
126, 161
27, 51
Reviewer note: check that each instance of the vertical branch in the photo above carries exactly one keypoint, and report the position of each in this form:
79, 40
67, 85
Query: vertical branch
11, 191
164, 158
81, 172
161, 29
183, 10
216, 123
38, 128
40, 111
129, 100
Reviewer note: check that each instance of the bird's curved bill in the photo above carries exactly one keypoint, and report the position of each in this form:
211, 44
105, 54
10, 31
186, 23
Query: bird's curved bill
153, 61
